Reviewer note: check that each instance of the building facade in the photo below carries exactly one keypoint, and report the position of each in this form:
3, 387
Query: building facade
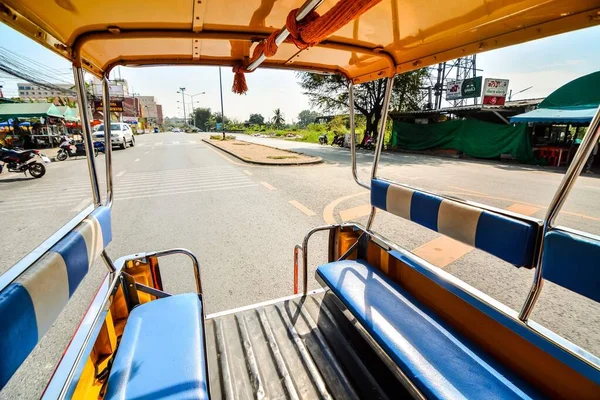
29, 91
159, 112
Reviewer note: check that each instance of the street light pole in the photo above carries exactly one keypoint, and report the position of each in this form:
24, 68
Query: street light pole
182, 89
222, 113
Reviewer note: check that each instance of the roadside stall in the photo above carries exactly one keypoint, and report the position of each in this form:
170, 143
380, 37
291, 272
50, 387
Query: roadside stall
561, 120
43, 129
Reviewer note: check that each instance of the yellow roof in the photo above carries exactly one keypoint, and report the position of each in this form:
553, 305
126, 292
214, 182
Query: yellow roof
394, 36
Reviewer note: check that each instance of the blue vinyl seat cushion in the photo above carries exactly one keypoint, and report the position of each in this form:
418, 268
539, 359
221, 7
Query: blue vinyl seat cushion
161, 353
441, 363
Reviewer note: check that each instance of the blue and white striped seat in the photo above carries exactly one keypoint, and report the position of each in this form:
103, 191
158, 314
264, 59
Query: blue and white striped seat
32, 302
510, 239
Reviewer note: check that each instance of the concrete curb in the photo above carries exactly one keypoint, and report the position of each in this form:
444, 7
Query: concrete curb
275, 164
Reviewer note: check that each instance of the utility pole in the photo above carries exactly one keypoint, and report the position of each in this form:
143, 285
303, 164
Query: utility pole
182, 91
222, 113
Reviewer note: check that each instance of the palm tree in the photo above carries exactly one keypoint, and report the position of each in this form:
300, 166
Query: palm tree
278, 119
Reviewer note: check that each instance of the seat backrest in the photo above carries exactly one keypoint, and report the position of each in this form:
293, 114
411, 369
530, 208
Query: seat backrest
570, 260
507, 238
31, 303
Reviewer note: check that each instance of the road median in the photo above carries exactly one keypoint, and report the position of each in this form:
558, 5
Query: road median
254, 153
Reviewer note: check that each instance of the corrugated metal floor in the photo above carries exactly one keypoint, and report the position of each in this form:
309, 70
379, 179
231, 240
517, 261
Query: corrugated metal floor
302, 348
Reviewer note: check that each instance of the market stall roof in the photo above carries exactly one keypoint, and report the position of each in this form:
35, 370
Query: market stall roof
29, 110
557, 116
391, 36
583, 92
573, 103
70, 114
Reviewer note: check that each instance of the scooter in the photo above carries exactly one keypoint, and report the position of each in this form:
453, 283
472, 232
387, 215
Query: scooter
368, 143
323, 139
69, 149
338, 139
23, 161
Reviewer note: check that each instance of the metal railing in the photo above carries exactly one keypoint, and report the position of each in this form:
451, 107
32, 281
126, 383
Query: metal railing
566, 185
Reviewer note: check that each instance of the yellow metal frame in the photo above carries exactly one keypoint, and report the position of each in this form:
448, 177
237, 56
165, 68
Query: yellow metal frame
511, 23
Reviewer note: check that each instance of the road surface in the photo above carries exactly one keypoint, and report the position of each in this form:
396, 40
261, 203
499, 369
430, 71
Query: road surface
242, 221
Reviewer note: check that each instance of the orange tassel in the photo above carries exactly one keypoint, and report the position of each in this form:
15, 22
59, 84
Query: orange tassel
239, 80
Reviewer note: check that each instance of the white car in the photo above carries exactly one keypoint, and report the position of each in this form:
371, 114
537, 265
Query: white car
176, 130
120, 134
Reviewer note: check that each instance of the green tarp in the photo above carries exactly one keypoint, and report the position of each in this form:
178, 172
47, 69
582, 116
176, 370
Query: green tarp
472, 137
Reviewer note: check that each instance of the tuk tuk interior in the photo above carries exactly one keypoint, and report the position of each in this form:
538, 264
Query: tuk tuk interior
386, 324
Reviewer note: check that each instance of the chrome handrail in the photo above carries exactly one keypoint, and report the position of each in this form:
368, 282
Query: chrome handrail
353, 137
84, 114
566, 185
305, 251
381, 136
169, 252
107, 140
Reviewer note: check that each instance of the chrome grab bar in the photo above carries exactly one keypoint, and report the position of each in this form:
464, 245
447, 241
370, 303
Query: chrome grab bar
163, 253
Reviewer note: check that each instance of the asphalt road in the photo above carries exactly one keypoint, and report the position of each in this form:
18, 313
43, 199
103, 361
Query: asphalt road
242, 221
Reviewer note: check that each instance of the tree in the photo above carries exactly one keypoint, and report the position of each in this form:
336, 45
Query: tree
307, 117
202, 118
330, 93
256, 119
278, 119
218, 118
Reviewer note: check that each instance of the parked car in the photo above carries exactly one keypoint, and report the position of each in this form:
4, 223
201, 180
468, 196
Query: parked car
120, 134
176, 130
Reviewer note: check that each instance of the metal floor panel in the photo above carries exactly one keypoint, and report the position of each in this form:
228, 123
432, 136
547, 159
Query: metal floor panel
301, 348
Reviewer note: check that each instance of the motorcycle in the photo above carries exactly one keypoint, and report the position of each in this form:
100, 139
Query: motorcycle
338, 139
368, 143
68, 149
323, 139
23, 161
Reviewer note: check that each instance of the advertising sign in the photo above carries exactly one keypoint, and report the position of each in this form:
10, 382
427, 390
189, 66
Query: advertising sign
465, 89
115, 106
494, 91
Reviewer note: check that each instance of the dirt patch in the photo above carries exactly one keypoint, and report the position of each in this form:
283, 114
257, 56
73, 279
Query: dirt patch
259, 154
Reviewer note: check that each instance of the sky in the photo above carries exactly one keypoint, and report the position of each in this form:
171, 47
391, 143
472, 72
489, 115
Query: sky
545, 64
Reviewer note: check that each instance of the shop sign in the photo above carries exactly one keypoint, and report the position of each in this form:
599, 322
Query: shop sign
464, 89
494, 91
115, 106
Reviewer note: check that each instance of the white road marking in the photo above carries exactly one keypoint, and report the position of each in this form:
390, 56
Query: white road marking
171, 193
145, 152
193, 141
247, 172
141, 144
265, 184
175, 142
82, 205
302, 208
136, 160
152, 148
121, 174
158, 143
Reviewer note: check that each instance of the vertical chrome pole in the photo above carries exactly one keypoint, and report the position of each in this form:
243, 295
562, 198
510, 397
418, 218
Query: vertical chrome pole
85, 114
353, 136
380, 138
565, 187
107, 139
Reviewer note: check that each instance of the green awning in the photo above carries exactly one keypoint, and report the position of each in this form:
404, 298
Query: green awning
28, 110
557, 116
583, 92
70, 114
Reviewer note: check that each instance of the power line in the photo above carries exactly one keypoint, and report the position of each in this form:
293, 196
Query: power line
29, 70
